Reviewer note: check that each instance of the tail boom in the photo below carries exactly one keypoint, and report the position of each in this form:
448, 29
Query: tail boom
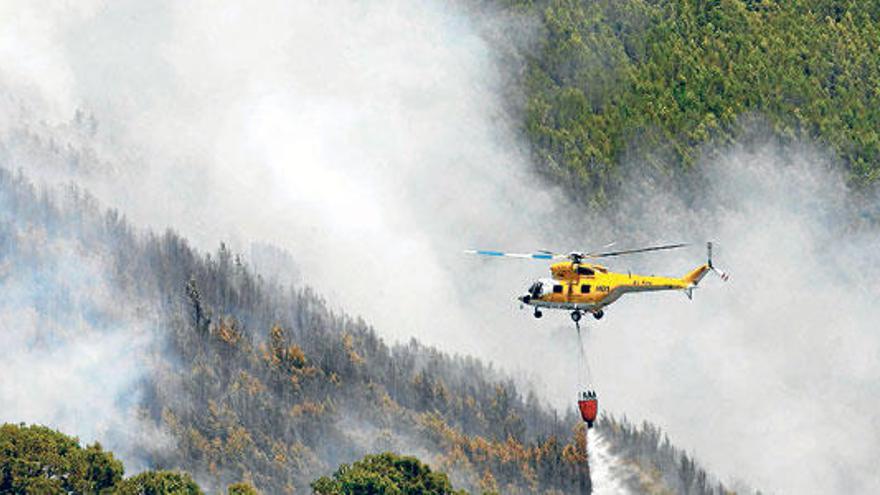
692, 279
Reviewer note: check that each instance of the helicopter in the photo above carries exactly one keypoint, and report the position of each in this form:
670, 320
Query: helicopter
580, 286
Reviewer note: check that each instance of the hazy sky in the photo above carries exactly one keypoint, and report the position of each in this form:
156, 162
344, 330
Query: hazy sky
369, 140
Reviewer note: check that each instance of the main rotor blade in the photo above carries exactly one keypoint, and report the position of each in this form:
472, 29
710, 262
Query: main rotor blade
534, 256
634, 251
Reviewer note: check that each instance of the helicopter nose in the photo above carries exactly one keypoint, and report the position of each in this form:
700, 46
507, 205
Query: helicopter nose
526, 298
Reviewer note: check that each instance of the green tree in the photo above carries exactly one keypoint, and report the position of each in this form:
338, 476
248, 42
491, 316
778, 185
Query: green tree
241, 489
36, 459
159, 483
385, 474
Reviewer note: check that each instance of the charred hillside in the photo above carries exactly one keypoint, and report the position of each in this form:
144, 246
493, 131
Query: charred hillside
253, 380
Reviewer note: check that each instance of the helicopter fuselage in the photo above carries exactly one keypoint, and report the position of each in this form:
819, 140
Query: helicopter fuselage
590, 287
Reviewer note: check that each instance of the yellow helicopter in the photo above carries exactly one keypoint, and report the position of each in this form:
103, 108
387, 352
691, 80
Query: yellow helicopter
584, 287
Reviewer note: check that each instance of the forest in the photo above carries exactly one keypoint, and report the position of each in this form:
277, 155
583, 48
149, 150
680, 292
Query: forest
655, 86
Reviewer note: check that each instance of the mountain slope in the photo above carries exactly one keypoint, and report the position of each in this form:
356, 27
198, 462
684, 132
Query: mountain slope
243, 379
614, 82
248, 380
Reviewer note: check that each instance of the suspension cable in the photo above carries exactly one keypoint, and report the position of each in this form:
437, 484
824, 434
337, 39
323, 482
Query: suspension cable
584, 362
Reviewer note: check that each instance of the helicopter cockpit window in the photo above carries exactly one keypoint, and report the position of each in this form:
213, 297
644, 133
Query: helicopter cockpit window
535, 289
557, 289
583, 270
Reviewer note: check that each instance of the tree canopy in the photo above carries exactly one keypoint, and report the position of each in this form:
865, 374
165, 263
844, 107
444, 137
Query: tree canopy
385, 474
159, 483
653, 82
36, 459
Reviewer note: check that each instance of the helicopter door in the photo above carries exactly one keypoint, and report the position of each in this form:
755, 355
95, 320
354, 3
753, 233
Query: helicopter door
578, 285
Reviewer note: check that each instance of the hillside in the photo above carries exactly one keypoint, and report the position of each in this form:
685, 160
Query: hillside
260, 381
612, 84
248, 380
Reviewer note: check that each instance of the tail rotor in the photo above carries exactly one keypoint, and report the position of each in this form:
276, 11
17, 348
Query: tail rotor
724, 276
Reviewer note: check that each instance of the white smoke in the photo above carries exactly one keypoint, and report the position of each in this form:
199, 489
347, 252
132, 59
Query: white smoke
371, 142
772, 375
73, 355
